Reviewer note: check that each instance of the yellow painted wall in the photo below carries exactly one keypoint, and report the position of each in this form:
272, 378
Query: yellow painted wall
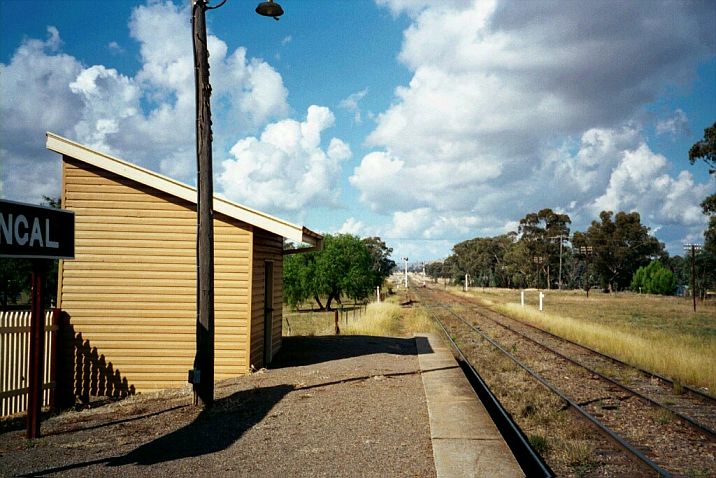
267, 247
131, 293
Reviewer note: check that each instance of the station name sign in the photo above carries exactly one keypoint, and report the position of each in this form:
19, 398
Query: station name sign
36, 232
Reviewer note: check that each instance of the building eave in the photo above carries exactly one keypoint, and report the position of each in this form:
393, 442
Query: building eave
180, 190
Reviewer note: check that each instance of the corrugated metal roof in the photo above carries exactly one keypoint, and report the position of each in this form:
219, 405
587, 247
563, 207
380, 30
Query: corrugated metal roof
149, 178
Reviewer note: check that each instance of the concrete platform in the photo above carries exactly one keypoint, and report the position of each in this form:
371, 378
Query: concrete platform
466, 443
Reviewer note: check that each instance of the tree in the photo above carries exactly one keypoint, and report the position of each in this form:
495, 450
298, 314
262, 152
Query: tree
705, 149
14, 279
681, 269
709, 208
654, 279
620, 245
380, 253
344, 268
483, 258
434, 270
708, 256
298, 275
541, 233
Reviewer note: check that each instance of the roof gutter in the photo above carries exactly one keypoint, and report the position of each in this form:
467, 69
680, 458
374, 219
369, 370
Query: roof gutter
308, 237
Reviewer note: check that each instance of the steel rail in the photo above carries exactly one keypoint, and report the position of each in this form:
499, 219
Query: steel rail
664, 379
610, 433
686, 418
529, 460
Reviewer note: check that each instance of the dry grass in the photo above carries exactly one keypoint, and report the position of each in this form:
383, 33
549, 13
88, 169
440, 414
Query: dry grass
387, 319
660, 334
380, 319
306, 323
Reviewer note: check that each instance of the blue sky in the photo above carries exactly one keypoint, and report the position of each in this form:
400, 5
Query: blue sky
425, 122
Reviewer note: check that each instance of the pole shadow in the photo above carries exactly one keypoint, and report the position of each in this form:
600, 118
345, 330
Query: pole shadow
214, 430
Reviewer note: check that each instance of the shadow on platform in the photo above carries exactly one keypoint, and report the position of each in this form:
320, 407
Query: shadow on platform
299, 351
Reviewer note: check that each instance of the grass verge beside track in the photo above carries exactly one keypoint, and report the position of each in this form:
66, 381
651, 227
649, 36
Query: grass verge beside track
659, 334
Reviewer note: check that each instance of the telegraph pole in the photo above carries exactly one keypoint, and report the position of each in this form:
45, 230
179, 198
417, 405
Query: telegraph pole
692, 249
561, 238
538, 260
202, 375
586, 251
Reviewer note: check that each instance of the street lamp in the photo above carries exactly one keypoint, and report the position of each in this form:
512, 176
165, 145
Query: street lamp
692, 249
202, 375
270, 9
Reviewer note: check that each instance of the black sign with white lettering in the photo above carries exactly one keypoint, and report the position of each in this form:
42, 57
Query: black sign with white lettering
36, 232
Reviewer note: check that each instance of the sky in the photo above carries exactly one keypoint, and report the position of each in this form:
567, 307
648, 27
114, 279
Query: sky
424, 122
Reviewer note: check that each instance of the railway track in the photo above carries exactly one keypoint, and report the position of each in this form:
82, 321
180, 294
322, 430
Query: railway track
671, 434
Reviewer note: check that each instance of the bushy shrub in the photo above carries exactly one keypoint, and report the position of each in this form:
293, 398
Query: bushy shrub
654, 279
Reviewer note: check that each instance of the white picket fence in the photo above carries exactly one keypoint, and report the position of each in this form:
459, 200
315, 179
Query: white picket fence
15, 360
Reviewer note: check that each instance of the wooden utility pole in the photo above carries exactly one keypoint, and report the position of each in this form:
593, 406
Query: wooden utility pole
203, 373
693, 274
587, 251
692, 249
561, 238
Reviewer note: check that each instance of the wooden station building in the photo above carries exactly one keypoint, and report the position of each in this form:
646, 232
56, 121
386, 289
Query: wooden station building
129, 296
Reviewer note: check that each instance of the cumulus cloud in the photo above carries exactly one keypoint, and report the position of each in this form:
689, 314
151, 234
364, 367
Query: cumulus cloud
674, 125
351, 104
287, 168
35, 99
353, 226
639, 182
146, 118
486, 127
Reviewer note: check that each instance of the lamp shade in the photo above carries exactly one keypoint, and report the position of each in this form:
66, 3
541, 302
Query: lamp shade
269, 9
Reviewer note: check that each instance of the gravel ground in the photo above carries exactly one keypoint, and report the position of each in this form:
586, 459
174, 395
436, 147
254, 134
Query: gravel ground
329, 406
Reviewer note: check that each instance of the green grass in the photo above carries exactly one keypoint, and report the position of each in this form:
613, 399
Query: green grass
660, 334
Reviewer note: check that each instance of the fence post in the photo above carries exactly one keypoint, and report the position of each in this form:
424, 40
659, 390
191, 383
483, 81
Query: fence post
335, 317
55, 324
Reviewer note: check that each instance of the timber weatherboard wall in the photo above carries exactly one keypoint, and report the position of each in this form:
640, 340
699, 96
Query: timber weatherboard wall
268, 247
129, 296
131, 290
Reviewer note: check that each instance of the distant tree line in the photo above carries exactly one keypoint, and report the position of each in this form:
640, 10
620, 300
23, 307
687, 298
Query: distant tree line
615, 253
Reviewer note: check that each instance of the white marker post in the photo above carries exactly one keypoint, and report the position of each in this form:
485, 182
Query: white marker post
541, 296
405, 259
377, 294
